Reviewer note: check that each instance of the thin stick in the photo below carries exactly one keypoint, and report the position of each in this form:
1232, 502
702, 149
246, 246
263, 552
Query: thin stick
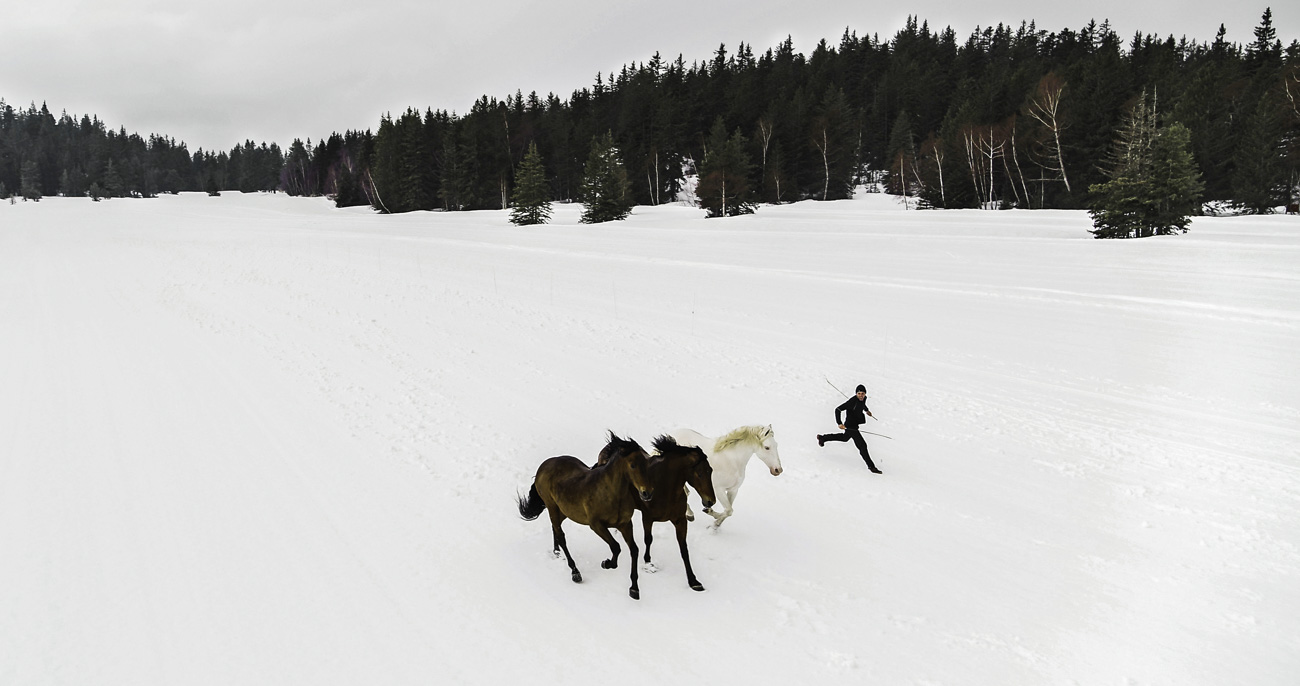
837, 389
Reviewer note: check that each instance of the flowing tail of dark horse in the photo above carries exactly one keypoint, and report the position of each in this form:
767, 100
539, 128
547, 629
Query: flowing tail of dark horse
532, 506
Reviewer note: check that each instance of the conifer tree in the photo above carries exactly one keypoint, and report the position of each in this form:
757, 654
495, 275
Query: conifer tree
112, 182
900, 179
1259, 180
1176, 184
724, 174
30, 186
831, 136
532, 197
606, 192
1153, 185
347, 188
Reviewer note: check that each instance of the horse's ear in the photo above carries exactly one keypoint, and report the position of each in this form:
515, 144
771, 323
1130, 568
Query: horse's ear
767, 431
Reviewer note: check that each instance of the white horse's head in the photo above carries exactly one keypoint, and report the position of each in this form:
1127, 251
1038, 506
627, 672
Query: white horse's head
767, 450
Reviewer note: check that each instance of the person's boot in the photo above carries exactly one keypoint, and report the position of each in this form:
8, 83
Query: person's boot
820, 441
871, 465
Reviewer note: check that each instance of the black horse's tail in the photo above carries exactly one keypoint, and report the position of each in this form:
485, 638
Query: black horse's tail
532, 506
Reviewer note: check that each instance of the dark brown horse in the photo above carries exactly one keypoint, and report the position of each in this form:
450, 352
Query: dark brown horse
602, 497
670, 470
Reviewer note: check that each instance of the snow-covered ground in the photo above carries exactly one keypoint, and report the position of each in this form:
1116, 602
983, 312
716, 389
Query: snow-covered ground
258, 440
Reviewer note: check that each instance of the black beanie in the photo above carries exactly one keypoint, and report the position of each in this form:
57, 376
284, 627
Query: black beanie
861, 389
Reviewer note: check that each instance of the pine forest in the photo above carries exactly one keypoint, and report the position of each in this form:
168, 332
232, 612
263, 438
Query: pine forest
1005, 117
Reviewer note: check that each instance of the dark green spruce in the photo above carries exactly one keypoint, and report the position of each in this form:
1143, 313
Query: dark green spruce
606, 193
1153, 187
724, 189
531, 202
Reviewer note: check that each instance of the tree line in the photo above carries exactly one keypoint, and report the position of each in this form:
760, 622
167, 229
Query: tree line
43, 155
1007, 117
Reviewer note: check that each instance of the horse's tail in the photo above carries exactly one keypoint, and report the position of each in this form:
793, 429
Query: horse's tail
532, 506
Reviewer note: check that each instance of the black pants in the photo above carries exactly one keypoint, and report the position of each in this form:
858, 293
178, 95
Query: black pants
852, 432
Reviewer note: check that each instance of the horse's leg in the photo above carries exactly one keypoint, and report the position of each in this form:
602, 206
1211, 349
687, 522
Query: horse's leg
603, 531
648, 524
690, 516
680, 525
626, 530
557, 533
726, 498
721, 509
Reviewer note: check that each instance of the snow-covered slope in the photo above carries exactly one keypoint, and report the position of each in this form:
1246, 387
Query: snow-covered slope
258, 440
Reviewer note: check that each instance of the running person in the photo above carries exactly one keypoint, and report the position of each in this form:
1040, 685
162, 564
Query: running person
855, 414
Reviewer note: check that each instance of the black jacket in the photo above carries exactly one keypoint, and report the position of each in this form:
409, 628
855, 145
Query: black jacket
854, 412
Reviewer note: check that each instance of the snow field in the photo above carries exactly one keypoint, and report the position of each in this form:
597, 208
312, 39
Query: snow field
256, 439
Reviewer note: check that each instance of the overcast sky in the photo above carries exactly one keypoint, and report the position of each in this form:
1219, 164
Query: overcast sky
274, 70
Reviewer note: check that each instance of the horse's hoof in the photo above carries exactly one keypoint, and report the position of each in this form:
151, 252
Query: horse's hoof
636, 594
690, 516
577, 578
708, 510
608, 564
697, 586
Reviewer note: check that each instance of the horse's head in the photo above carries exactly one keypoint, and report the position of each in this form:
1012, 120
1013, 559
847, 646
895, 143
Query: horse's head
634, 460
690, 463
767, 450
638, 471
700, 477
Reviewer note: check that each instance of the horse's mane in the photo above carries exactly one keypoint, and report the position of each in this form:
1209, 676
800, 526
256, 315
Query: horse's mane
738, 436
663, 443
616, 446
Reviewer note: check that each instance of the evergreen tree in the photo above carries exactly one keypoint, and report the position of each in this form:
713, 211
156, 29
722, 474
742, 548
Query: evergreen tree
724, 174
901, 177
348, 188
112, 182
30, 186
606, 192
1266, 50
1176, 186
458, 170
1153, 185
1259, 180
531, 202
832, 138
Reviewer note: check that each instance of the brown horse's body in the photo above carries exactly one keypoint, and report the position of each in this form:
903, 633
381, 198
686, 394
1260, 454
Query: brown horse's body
670, 470
603, 498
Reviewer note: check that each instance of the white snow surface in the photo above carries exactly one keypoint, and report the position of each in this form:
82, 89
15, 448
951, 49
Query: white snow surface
256, 439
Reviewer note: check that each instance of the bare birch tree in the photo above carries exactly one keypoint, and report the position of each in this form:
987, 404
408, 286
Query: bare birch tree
932, 150
1045, 107
984, 147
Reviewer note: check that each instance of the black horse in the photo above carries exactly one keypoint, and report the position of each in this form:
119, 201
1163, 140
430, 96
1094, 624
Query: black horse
602, 497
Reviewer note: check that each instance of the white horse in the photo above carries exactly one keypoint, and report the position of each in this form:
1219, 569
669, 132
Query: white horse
729, 455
